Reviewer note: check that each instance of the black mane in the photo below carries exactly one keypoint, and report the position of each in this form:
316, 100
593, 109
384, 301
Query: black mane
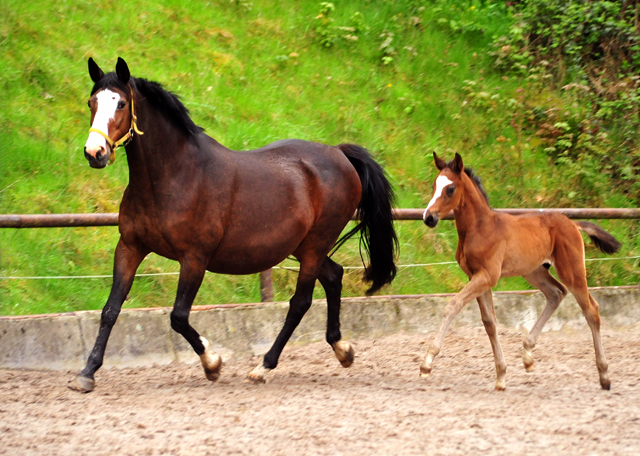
476, 180
163, 101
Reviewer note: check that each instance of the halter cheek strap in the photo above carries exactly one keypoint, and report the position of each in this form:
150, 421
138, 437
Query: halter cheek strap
126, 139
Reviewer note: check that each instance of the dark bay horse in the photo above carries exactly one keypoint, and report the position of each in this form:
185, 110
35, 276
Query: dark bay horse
192, 200
492, 245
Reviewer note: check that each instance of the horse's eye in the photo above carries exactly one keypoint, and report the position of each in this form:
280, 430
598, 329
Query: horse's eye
451, 190
89, 103
121, 104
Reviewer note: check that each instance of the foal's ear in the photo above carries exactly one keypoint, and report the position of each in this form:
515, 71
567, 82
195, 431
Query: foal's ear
122, 70
94, 71
457, 166
440, 163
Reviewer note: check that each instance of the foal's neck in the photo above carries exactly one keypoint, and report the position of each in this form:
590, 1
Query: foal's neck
473, 207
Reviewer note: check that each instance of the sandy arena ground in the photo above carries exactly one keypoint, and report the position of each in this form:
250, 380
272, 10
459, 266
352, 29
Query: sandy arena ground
310, 405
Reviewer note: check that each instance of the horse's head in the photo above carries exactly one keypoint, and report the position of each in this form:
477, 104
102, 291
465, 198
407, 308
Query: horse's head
446, 190
112, 114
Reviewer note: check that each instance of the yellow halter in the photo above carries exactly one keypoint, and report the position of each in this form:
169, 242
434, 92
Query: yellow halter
126, 139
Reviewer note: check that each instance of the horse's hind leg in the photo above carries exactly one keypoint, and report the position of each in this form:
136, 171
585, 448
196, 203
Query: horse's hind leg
298, 306
331, 279
485, 302
126, 261
191, 274
555, 292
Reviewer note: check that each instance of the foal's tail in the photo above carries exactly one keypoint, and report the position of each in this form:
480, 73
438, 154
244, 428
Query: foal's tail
377, 233
603, 240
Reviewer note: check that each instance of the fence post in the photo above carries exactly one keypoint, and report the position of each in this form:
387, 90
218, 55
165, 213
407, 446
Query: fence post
266, 286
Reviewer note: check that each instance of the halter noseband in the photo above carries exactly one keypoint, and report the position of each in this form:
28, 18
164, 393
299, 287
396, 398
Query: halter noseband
126, 139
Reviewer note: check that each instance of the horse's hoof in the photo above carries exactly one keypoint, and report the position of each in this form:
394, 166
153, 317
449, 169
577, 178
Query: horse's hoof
213, 374
501, 385
257, 375
82, 384
211, 362
605, 383
344, 352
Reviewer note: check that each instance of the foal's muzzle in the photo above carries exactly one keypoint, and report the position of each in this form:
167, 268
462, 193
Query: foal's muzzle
431, 219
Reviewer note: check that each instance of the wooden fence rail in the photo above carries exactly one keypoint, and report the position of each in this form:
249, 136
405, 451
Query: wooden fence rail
111, 219
266, 283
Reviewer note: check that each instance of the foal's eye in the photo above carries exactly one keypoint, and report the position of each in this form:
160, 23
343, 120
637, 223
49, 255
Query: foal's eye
451, 190
121, 104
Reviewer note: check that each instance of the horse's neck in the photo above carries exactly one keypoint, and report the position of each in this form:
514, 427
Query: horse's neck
161, 154
473, 208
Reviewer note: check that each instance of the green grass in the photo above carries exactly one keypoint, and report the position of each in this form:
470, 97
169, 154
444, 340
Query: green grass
251, 74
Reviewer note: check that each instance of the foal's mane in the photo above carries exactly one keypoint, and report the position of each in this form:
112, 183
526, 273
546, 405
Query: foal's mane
475, 179
163, 101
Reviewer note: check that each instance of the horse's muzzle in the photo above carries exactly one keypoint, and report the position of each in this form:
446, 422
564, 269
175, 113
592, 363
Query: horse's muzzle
431, 219
97, 158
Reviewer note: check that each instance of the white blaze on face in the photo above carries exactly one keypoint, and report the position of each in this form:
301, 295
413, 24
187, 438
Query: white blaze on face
107, 105
441, 183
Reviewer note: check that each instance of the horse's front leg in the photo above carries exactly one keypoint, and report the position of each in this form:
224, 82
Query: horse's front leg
478, 284
126, 261
191, 275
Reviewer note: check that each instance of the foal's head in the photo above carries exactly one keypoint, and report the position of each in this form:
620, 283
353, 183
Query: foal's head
446, 190
111, 113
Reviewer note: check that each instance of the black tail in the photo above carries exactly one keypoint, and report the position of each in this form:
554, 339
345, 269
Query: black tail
377, 233
602, 239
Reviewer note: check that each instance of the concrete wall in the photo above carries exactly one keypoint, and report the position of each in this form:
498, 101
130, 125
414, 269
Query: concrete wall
143, 337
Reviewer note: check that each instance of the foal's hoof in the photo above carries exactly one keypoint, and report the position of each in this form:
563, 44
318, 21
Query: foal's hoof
425, 370
527, 360
82, 384
257, 375
344, 352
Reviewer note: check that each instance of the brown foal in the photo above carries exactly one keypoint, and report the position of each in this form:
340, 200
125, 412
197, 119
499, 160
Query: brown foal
492, 245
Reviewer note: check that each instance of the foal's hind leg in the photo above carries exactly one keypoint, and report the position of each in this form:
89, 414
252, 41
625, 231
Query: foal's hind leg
487, 311
191, 274
573, 274
555, 292
331, 279
590, 311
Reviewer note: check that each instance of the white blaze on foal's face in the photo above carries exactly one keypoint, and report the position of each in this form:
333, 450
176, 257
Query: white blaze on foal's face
107, 102
441, 183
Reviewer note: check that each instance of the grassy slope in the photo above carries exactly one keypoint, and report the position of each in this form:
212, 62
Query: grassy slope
236, 69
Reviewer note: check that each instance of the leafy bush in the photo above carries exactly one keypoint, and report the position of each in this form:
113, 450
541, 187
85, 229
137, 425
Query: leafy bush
591, 47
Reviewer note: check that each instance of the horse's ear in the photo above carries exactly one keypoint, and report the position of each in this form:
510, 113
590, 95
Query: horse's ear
94, 71
457, 165
440, 163
122, 70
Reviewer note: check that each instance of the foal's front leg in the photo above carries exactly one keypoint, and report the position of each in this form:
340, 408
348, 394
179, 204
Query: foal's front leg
191, 274
478, 284
487, 311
